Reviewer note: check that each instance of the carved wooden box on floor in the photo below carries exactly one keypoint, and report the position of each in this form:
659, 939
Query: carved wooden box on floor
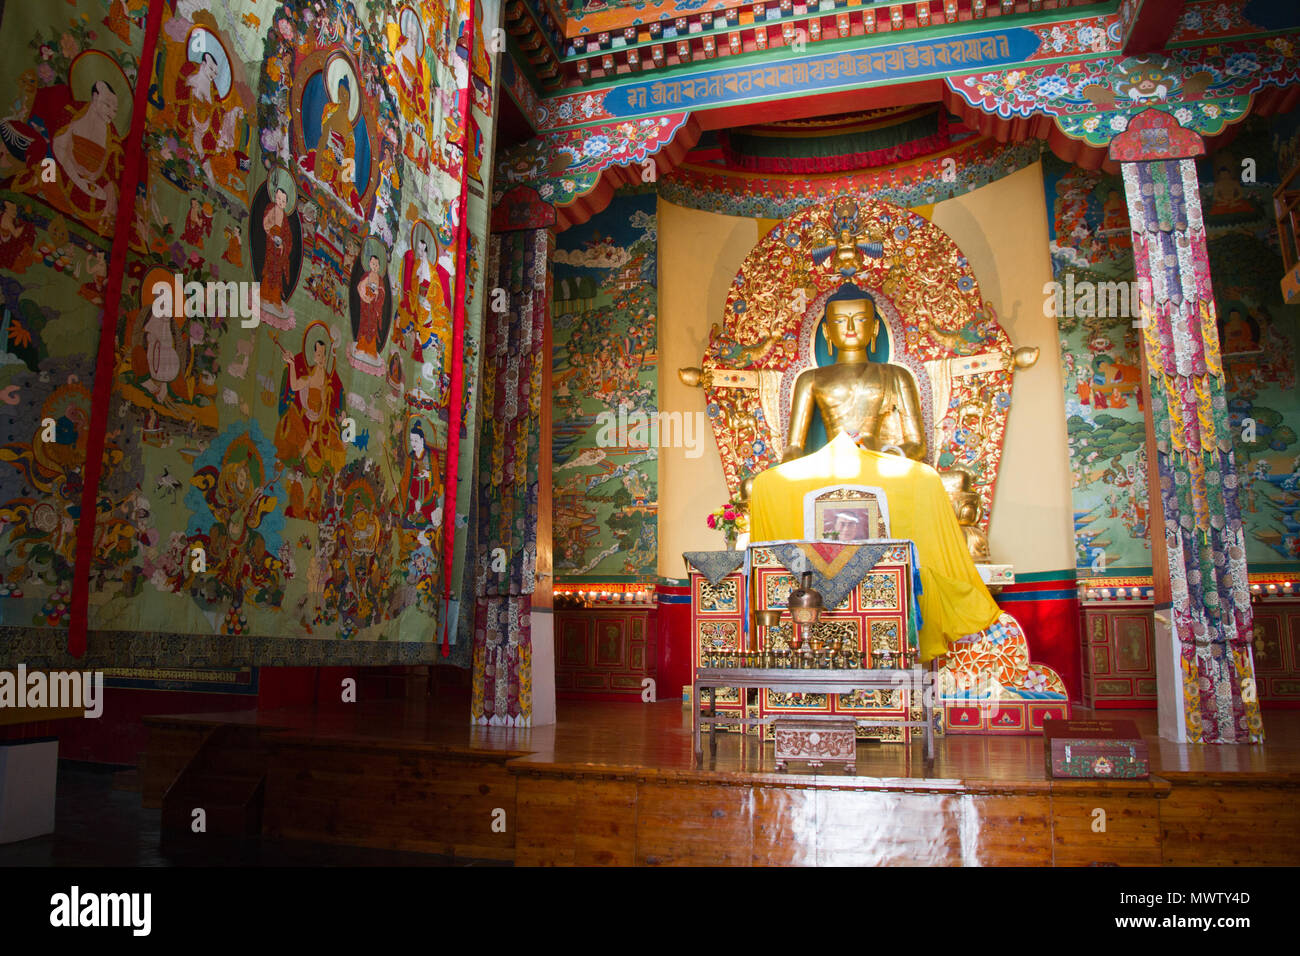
814, 744
604, 650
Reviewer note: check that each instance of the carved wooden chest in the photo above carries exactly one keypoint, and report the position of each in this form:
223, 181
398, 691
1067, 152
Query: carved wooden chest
812, 744
1095, 748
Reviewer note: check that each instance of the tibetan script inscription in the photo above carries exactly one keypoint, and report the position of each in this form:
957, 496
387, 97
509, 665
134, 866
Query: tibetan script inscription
840, 69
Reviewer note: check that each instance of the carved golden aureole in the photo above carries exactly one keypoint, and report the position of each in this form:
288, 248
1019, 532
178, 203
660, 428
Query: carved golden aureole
947, 330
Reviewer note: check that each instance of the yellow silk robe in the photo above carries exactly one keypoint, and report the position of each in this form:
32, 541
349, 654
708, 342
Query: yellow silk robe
954, 601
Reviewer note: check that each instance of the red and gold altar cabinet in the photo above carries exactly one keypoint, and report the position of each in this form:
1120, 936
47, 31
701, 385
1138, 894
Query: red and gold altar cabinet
1119, 662
874, 620
605, 650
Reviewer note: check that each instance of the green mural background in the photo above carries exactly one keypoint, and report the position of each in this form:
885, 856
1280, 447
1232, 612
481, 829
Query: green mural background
605, 371
1259, 336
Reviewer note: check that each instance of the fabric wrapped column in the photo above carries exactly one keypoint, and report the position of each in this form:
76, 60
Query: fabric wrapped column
505, 545
1206, 685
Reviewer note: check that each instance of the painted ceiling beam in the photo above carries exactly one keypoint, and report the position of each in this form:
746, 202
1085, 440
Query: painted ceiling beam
681, 37
835, 66
613, 18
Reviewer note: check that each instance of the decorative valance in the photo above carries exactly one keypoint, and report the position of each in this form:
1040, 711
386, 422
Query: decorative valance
845, 143
836, 568
714, 565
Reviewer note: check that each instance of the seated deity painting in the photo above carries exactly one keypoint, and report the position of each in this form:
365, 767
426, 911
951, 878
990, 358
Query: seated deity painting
1239, 332
80, 125
338, 143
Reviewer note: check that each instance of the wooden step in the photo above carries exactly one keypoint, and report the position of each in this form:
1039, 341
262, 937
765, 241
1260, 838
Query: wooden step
225, 779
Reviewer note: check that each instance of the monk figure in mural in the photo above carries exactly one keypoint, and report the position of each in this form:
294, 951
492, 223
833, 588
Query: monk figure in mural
422, 482
212, 125
89, 154
371, 291
279, 242
308, 433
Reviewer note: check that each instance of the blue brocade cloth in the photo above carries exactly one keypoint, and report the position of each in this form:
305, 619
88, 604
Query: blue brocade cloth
714, 565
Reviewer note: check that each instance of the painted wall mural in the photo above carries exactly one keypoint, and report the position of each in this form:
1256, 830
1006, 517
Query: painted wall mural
1091, 244
1258, 333
280, 405
605, 375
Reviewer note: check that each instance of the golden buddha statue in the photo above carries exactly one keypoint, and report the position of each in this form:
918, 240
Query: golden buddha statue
876, 403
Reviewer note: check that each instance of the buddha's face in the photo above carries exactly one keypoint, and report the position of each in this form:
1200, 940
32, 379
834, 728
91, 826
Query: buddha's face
851, 323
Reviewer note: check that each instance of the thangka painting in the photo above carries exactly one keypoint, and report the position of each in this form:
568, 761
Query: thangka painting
1258, 332
278, 416
934, 322
604, 371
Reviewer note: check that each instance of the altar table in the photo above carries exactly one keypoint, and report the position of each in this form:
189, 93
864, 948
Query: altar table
874, 616
830, 682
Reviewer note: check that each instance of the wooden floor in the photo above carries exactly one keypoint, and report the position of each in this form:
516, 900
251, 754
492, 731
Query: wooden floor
613, 783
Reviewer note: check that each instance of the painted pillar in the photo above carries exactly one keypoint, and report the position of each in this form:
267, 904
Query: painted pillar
512, 504
1205, 670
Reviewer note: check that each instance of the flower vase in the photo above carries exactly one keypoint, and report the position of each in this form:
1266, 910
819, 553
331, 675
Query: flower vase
731, 535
